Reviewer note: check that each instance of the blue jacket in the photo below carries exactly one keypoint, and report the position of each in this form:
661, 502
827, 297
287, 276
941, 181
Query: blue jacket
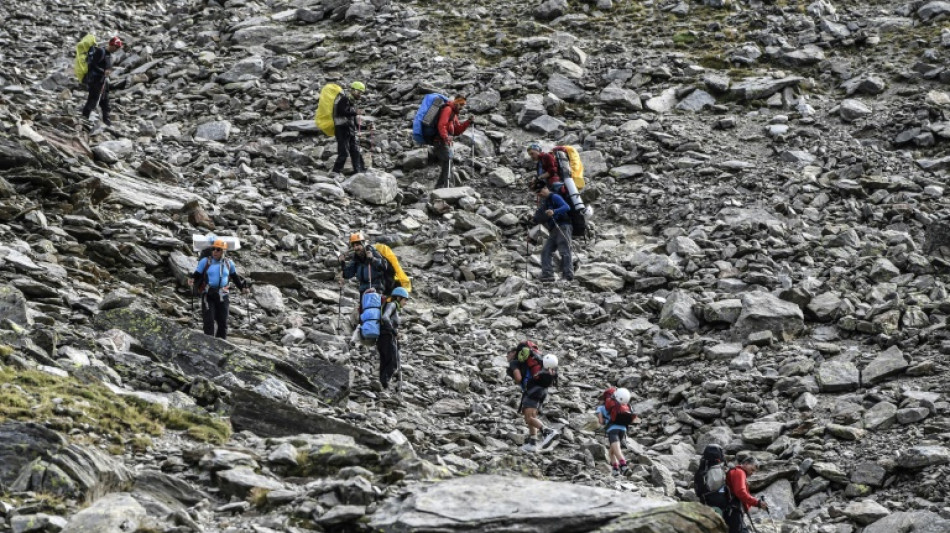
555, 203
372, 267
219, 273
610, 427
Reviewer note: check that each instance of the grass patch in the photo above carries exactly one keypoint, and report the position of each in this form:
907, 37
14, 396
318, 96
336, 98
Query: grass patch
684, 38
65, 404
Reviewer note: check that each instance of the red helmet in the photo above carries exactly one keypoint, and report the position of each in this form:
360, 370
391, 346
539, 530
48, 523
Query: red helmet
116, 42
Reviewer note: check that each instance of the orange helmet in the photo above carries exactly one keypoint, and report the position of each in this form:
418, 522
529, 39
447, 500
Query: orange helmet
357, 237
220, 244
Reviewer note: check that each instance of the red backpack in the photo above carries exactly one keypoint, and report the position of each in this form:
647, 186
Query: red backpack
619, 413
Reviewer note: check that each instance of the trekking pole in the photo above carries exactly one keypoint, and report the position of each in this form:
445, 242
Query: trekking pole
749, 516
473, 149
527, 256
570, 246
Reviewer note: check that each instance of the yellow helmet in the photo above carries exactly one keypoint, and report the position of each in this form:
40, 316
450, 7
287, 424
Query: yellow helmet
357, 237
220, 244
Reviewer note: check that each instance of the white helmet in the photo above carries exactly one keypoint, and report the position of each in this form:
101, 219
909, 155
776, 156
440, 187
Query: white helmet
549, 361
622, 395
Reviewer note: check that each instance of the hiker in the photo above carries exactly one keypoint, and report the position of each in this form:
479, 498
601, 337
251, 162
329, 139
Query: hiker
364, 263
740, 499
97, 79
534, 374
553, 211
447, 128
213, 277
615, 416
709, 481
548, 169
345, 119
388, 342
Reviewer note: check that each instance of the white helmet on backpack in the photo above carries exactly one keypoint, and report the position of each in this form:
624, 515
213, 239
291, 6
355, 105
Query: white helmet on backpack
622, 395
549, 361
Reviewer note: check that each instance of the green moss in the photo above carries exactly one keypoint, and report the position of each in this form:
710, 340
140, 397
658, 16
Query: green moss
65, 403
684, 37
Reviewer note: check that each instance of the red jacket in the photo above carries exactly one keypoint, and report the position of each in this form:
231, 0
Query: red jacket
736, 481
548, 163
449, 124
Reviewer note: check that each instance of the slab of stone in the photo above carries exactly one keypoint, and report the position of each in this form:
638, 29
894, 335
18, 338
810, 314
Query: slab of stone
865, 512
762, 432
838, 376
888, 364
113, 513
910, 522
240, 481
765, 311
489, 502
923, 456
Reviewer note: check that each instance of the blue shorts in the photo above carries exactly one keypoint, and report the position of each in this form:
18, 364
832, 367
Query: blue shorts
617, 435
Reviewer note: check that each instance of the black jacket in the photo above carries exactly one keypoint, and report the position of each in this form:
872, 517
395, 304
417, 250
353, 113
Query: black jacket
99, 61
344, 113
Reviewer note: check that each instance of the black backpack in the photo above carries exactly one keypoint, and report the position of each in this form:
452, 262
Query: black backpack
714, 458
430, 121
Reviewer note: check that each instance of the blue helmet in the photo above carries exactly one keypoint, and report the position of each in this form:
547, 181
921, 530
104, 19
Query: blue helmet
400, 291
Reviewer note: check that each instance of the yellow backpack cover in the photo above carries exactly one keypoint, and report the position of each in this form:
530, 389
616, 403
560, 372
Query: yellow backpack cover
80, 66
577, 167
324, 116
400, 275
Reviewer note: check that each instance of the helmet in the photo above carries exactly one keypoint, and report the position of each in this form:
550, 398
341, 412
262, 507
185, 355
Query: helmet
536, 146
549, 361
116, 42
622, 396
400, 291
220, 244
358, 86
357, 237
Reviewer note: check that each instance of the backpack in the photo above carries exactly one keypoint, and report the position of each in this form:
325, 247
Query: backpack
573, 181
427, 118
372, 303
394, 276
84, 48
200, 287
574, 167
711, 475
324, 116
619, 413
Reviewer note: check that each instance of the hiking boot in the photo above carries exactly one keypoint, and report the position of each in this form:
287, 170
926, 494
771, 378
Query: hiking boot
624, 470
548, 435
547, 278
615, 472
530, 445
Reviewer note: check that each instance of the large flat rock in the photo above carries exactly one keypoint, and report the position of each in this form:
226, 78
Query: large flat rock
267, 417
115, 513
764, 311
489, 503
197, 354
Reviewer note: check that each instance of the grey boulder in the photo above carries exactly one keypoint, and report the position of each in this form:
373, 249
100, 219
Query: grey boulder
493, 503
763, 311
372, 186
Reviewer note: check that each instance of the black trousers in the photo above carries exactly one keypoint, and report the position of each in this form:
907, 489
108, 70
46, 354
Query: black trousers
214, 311
443, 154
733, 517
347, 146
97, 87
388, 349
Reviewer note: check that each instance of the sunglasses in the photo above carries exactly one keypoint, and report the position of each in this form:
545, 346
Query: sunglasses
217, 249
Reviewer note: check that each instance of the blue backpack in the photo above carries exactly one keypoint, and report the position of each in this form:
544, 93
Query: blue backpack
372, 312
424, 125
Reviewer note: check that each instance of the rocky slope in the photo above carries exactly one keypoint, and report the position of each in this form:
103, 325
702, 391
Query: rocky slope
769, 267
